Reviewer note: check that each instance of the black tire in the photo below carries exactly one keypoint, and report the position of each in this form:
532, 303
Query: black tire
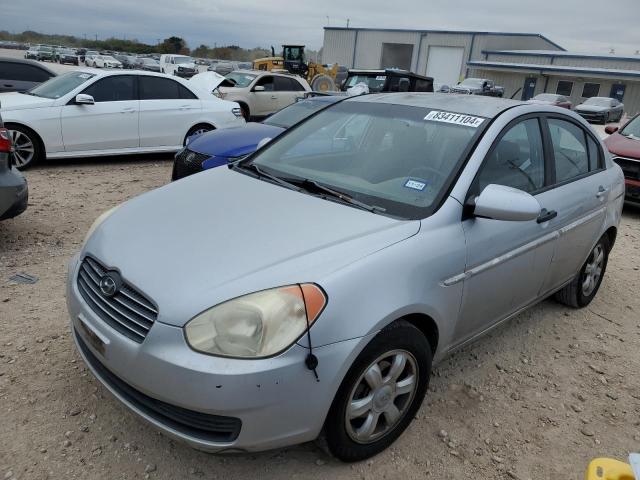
399, 337
245, 112
574, 294
18, 135
202, 128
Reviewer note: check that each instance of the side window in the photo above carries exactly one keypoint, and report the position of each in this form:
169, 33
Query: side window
186, 94
569, 149
517, 160
22, 72
423, 86
595, 162
296, 86
117, 88
282, 84
266, 82
158, 88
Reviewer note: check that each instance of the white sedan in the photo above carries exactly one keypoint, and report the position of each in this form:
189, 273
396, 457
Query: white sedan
91, 113
106, 61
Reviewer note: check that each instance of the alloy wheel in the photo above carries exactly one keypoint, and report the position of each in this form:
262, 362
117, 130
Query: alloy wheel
23, 148
593, 270
381, 396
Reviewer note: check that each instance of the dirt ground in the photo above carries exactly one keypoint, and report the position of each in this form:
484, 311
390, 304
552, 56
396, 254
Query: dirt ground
537, 399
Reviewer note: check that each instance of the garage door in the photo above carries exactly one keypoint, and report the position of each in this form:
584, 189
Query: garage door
444, 64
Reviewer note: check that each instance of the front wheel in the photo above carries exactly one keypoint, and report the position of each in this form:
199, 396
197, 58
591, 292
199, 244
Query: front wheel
197, 130
26, 146
585, 285
380, 394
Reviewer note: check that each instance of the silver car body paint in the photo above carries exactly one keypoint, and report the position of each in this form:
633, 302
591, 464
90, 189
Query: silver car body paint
220, 234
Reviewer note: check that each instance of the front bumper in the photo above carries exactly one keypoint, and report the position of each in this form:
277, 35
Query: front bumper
185, 73
14, 194
277, 400
593, 116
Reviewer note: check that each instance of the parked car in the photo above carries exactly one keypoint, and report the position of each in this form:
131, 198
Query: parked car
148, 64
478, 86
260, 94
624, 145
110, 112
45, 52
14, 192
225, 68
89, 56
299, 292
601, 109
31, 53
178, 65
105, 61
551, 99
67, 55
18, 75
128, 61
219, 147
389, 80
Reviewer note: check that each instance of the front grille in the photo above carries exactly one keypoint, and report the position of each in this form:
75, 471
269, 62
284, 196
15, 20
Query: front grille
629, 166
128, 311
460, 90
213, 428
188, 162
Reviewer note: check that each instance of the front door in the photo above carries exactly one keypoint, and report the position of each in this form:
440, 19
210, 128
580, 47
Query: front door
110, 123
529, 89
507, 262
617, 91
264, 102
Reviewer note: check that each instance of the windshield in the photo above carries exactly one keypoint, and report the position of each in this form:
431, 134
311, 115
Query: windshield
182, 60
91, 52
60, 85
295, 113
68, 51
109, 57
374, 82
396, 157
45, 49
546, 97
632, 128
240, 80
473, 82
600, 102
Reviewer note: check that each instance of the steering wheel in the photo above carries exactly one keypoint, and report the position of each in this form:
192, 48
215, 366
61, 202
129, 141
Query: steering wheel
427, 173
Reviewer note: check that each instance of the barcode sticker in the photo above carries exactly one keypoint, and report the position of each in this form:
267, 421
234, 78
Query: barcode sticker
455, 118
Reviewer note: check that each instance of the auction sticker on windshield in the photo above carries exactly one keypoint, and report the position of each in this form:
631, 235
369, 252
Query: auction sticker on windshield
454, 118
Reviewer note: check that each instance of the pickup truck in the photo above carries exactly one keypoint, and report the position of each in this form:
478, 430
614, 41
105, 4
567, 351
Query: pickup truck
478, 86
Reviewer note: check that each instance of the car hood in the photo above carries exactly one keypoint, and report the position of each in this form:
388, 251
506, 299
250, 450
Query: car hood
624, 146
233, 142
207, 81
18, 101
591, 108
220, 234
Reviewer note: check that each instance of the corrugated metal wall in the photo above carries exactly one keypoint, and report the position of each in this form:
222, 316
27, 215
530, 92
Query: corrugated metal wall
526, 59
369, 46
338, 46
512, 82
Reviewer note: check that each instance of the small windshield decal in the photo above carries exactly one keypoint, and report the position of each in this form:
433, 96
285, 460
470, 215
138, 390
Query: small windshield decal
415, 184
455, 118
84, 75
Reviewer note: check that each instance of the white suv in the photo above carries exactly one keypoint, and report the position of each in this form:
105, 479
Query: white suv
260, 94
179, 65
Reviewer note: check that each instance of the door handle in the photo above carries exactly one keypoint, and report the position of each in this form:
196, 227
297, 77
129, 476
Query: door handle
185, 107
273, 97
601, 191
8, 85
546, 215
128, 110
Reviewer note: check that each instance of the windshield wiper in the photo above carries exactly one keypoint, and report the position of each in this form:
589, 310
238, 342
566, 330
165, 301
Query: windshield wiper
252, 167
306, 183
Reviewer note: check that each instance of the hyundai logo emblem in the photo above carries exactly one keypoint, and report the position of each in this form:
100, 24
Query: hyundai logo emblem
109, 284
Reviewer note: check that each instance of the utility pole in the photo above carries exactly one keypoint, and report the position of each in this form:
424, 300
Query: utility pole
96, 37
328, 21
347, 23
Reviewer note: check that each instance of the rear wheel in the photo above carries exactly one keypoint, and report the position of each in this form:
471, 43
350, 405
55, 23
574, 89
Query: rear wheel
245, 112
27, 149
380, 394
585, 285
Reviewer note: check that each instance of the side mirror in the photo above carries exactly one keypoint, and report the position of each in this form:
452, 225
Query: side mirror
263, 142
610, 129
507, 204
258, 88
82, 99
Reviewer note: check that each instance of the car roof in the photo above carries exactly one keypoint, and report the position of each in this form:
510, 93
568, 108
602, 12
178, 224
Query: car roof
27, 62
482, 106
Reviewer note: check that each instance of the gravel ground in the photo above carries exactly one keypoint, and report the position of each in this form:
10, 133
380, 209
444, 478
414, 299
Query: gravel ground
536, 399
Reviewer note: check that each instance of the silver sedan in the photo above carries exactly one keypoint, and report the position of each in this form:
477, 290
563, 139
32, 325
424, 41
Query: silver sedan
311, 287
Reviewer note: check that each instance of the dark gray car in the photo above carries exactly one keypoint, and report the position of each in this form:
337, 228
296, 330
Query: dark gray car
13, 186
18, 75
601, 109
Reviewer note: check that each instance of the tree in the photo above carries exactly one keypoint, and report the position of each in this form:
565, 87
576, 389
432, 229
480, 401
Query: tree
173, 45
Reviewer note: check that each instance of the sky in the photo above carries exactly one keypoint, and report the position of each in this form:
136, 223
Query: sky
577, 25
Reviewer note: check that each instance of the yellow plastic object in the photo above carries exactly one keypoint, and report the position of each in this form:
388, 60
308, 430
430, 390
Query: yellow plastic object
609, 469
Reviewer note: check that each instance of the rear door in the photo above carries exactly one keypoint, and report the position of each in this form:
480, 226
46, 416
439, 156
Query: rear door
264, 102
579, 195
19, 77
111, 123
167, 111
287, 90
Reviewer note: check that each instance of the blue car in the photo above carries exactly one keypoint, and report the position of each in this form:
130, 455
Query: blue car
219, 147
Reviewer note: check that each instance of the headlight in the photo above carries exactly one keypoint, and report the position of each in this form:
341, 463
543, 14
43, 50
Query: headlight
98, 221
257, 325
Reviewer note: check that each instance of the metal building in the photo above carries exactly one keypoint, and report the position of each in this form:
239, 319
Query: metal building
524, 63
